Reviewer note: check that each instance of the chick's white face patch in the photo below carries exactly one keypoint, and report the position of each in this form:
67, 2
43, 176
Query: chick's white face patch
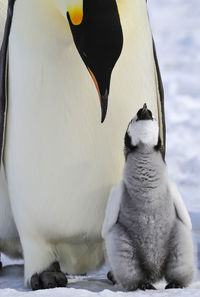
143, 131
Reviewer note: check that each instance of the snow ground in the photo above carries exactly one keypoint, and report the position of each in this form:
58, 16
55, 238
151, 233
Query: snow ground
11, 284
176, 27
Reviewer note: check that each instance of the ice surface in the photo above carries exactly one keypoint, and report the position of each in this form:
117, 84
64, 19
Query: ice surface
176, 27
11, 283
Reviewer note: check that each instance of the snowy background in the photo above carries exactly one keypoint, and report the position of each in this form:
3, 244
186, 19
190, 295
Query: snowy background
176, 29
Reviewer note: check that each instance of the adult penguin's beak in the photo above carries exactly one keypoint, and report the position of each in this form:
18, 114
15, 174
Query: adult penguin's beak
97, 33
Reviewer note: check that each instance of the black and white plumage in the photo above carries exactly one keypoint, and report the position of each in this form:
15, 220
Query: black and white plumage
55, 150
147, 227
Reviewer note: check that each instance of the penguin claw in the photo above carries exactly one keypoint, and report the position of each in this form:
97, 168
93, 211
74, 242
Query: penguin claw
174, 286
35, 282
111, 278
48, 279
146, 286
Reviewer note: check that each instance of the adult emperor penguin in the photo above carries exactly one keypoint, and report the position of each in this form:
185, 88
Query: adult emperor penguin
56, 143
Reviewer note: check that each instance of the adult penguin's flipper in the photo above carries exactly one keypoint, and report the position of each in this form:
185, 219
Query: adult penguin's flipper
160, 101
4, 73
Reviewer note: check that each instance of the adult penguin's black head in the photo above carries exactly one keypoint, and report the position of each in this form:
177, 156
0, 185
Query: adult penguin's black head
99, 40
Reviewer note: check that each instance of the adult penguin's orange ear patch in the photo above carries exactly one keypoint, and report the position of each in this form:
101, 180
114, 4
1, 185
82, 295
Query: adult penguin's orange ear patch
98, 36
76, 13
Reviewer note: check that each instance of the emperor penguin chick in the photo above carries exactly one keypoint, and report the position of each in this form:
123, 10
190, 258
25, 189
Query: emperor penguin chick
147, 229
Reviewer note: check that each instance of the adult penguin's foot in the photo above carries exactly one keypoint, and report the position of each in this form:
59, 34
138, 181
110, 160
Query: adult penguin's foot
111, 278
50, 278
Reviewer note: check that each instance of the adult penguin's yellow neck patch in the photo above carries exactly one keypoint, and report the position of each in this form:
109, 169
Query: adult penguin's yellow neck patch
75, 9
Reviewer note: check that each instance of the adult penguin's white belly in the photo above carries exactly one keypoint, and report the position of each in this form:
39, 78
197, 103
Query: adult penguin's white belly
60, 160
3, 5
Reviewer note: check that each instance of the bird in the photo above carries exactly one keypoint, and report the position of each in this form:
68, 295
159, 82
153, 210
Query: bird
60, 136
147, 228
